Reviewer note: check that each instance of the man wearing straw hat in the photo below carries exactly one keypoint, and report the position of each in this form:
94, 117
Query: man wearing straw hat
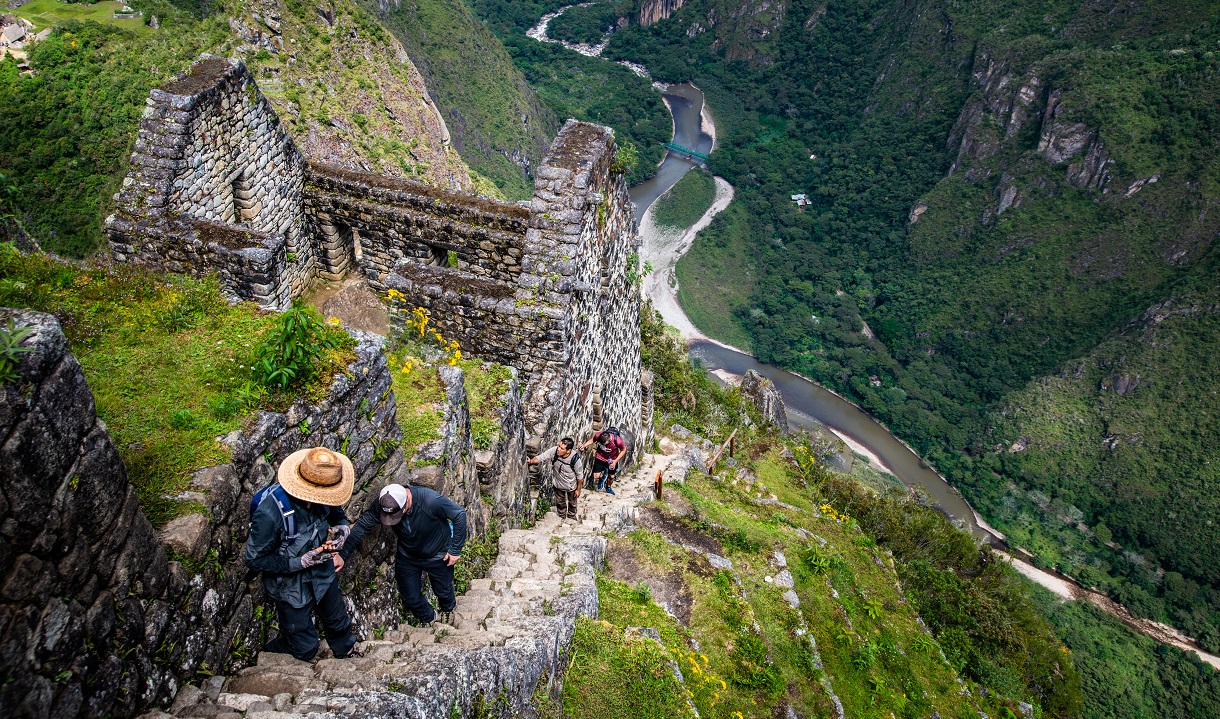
431, 531
296, 526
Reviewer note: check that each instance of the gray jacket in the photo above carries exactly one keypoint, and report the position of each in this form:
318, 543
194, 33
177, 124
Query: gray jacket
564, 472
283, 577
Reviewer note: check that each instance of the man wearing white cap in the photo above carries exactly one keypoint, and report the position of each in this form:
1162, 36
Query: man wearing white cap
296, 526
431, 531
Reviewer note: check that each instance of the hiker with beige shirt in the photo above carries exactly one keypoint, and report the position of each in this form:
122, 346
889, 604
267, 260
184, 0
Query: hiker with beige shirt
567, 475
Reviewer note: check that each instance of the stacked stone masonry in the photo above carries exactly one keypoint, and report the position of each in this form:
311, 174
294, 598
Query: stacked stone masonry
101, 615
217, 185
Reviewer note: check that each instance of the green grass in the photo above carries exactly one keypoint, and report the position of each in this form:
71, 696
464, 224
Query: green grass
167, 360
717, 277
684, 203
48, 13
420, 395
486, 384
615, 677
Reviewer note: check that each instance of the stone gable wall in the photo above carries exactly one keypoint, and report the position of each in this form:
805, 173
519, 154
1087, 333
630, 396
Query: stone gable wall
211, 152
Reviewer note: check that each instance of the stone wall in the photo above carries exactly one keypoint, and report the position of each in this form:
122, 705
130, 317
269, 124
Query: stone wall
569, 321
502, 473
390, 219
210, 147
96, 617
552, 290
85, 598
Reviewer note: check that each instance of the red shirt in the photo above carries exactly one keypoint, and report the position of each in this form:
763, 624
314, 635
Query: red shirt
608, 446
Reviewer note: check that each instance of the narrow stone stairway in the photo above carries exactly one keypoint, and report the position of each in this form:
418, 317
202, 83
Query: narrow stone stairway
510, 631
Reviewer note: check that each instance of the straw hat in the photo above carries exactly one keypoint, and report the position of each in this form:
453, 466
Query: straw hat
318, 475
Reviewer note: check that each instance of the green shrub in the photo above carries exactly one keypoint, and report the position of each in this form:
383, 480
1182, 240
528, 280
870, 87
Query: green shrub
10, 346
290, 353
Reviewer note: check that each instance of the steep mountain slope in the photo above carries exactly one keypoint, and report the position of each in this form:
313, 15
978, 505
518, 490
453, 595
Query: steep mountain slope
496, 122
343, 86
996, 190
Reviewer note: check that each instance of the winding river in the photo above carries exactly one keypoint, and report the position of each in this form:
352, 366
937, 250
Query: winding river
806, 401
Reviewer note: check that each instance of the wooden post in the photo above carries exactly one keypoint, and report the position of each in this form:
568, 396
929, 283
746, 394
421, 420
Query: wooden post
716, 457
656, 484
732, 443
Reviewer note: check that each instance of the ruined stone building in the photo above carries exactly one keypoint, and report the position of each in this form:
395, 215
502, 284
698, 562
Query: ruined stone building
217, 185
101, 614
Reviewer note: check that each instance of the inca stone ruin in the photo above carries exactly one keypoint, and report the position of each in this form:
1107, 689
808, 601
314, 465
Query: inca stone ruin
103, 615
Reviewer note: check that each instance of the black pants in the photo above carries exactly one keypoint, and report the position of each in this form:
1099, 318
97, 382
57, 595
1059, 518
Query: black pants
410, 586
298, 636
607, 473
565, 503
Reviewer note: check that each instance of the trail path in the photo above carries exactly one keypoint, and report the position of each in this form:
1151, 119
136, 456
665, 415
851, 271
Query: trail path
509, 633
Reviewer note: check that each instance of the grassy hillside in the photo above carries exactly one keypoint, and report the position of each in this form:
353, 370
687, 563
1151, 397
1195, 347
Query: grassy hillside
496, 122
998, 189
831, 592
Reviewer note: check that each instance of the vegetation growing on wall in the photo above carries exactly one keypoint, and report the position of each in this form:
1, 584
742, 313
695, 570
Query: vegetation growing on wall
168, 360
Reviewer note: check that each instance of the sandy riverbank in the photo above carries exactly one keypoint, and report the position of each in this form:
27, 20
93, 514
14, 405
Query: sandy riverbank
663, 247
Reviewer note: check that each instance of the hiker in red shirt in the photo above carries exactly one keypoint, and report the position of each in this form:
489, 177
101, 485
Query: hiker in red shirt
609, 456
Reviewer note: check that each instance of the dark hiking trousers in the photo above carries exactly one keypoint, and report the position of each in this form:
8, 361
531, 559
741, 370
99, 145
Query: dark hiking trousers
565, 503
407, 572
298, 636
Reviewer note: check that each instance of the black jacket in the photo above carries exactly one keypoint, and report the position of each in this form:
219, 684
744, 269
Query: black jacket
283, 577
436, 525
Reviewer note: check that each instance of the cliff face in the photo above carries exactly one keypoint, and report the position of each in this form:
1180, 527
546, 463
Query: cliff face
654, 10
497, 123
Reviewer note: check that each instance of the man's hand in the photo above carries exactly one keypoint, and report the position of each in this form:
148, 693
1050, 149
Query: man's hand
452, 559
317, 556
613, 463
338, 563
338, 535
532, 460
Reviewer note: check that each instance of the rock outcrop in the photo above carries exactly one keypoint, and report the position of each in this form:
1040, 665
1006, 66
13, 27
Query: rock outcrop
763, 393
652, 11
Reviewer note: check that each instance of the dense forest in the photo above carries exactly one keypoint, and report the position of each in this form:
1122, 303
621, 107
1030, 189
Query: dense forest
1000, 193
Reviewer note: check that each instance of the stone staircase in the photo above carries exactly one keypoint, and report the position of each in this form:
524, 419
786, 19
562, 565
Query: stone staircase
510, 634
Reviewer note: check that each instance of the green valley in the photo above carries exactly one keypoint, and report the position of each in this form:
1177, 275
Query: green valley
1005, 194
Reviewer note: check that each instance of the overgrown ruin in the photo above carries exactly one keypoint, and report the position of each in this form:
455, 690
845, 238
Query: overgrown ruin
103, 615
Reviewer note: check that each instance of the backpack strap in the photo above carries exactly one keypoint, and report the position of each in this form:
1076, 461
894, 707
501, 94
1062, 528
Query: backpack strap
287, 513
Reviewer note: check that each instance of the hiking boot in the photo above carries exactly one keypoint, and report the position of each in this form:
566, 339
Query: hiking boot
353, 654
445, 617
609, 491
601, 486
